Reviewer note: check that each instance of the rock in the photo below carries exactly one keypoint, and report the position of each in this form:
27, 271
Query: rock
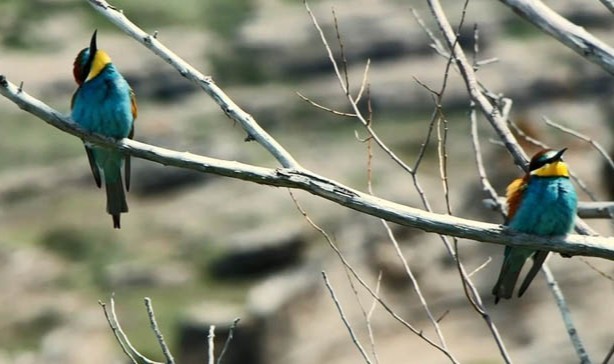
150, 179
274, 304
259, 252
194, 331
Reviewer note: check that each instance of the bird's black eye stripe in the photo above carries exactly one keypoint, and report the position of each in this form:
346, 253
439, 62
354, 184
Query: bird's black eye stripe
542, 160
538, 163
92, 53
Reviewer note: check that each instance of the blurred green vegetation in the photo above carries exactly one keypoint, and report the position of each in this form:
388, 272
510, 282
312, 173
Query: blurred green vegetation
27, 335
517, 27
168, 306
26, 141
77, 245
19, 18
95, 249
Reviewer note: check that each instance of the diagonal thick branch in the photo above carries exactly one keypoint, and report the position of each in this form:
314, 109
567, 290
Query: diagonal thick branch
320, 186
229, 107
573, 36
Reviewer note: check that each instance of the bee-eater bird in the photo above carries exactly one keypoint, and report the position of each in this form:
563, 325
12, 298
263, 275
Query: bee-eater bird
543, 203
104, 104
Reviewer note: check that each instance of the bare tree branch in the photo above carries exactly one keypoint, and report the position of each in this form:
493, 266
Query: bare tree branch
609, 355
566, 314
302, 179
121, 337
608, 4
231, 333
211, 345
159, 337
373, 293
232, 110
493, 115
345, 320
600, 149
496, 118
573, 36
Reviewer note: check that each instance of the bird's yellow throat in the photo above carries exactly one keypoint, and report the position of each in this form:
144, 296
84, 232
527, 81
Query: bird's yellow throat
555, 169
101, 59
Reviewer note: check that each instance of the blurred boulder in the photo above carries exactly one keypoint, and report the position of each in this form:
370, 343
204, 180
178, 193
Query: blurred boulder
194, 332
150, 179
260, 252
276, 303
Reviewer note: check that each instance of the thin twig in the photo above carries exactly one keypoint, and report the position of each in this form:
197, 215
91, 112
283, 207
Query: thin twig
467, 284
609, 355
370, 315
480, 267
476, 46
436, 44
345, 320
121, 337
320, 106
425, 143
344, 61
375, 296
573, 36
159, 337
370, 187
125, 338
610, 5
471, 292
598, 147
352, 101
398, 251
414, 283
111, 319
566, 314
211, 344
492, 114
362, 310
597, 270
363, 84
231, 333
484, 181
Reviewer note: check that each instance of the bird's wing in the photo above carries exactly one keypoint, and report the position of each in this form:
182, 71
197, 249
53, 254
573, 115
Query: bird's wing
93, 166
134, 107
88, 150
127, 164
538, 260
513, 194
74, 95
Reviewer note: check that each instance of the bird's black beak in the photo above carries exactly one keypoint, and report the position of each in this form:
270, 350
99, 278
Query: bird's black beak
93, 47
92, 54
558, 156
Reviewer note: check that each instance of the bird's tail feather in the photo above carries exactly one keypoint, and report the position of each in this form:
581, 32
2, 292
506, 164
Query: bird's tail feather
116, 201
538, 261
504, 288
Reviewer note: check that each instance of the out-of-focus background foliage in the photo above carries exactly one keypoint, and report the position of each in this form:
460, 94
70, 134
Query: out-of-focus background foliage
208, 249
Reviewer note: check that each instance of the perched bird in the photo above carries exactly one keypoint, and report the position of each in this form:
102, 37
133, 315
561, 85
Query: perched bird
104, 104
543, 202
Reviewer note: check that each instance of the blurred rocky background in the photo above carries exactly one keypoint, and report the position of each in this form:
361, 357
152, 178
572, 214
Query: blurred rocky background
208, 249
